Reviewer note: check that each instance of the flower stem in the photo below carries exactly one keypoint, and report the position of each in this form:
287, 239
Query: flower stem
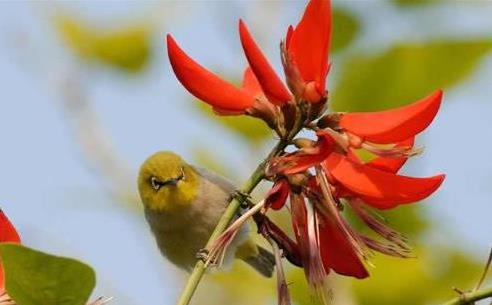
224, 221
469, 298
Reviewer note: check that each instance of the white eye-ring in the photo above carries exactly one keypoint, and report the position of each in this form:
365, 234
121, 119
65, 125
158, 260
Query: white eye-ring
156, 185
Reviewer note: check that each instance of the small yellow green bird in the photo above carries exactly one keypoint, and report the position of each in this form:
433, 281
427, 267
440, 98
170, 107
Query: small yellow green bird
183, 203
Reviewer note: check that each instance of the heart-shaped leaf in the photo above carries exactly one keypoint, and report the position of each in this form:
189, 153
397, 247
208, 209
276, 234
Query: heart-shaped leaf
36, 278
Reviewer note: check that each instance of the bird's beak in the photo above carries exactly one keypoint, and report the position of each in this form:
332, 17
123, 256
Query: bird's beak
173, 181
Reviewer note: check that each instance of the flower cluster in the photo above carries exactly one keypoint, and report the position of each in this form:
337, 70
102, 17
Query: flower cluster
325, 175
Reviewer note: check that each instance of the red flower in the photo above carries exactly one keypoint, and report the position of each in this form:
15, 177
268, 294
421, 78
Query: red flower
323, 176
306, 69
393, 125
341, 174
307, 47
7, 234
380, 189
271, 84
221, 95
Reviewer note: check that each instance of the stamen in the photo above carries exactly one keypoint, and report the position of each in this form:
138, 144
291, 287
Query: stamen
379, 227
346, 140
282, 288
218, 249
332, 211
392, 152
385, 248
315, 270
342, 139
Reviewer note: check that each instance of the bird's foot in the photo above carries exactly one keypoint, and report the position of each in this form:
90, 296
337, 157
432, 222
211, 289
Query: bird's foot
203, 255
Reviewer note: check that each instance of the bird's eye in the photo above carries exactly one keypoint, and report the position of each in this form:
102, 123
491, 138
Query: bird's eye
156, 185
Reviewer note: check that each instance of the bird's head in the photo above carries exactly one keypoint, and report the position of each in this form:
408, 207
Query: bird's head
167, 183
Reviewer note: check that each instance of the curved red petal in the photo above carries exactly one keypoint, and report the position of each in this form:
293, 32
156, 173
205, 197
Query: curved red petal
310, 42
271, 84
7, 234
337, 252
392, 165
204, 84
7, 230
379, 188
393, 125
250, 83
278, 194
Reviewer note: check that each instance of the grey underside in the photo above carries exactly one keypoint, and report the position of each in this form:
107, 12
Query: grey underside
180, 238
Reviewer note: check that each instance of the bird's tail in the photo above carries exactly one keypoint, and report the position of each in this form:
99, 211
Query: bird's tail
257, 257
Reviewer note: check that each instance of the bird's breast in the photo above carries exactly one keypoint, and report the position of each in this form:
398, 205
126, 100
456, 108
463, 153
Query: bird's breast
180, 235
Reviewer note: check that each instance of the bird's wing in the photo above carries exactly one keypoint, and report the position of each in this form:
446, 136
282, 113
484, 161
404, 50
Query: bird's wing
216, 179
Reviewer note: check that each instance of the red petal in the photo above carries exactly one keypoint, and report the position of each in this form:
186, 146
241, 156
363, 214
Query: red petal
278, 194
7, 234
7, 230
337, 252
250, 83
393, 125
392, 165
310, 43
205, 85
272, 86
379, 188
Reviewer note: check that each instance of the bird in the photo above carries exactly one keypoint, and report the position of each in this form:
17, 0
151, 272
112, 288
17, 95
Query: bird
182, 205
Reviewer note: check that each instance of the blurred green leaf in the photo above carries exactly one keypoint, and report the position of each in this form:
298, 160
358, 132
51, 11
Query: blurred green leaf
209, 160
405, 73
251, 129
345, 29
299, 289
127, 48
238, 285
36, 278
424, 280
408, 3
409, 219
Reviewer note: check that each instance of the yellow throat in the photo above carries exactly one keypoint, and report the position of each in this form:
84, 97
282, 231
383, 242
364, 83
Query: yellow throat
167, 183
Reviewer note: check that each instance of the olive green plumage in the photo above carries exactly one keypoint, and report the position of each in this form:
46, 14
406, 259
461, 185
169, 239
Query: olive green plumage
182, 205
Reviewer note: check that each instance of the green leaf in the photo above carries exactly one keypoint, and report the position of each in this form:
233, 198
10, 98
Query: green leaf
410, 3
127, 48
251, 129
36, 278
345, 29
405, 73
299, 289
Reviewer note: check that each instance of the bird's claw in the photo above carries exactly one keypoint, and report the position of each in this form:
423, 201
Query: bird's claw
202, 255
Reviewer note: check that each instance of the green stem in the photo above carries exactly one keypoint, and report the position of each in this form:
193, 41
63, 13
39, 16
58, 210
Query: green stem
224, 221
469, 298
